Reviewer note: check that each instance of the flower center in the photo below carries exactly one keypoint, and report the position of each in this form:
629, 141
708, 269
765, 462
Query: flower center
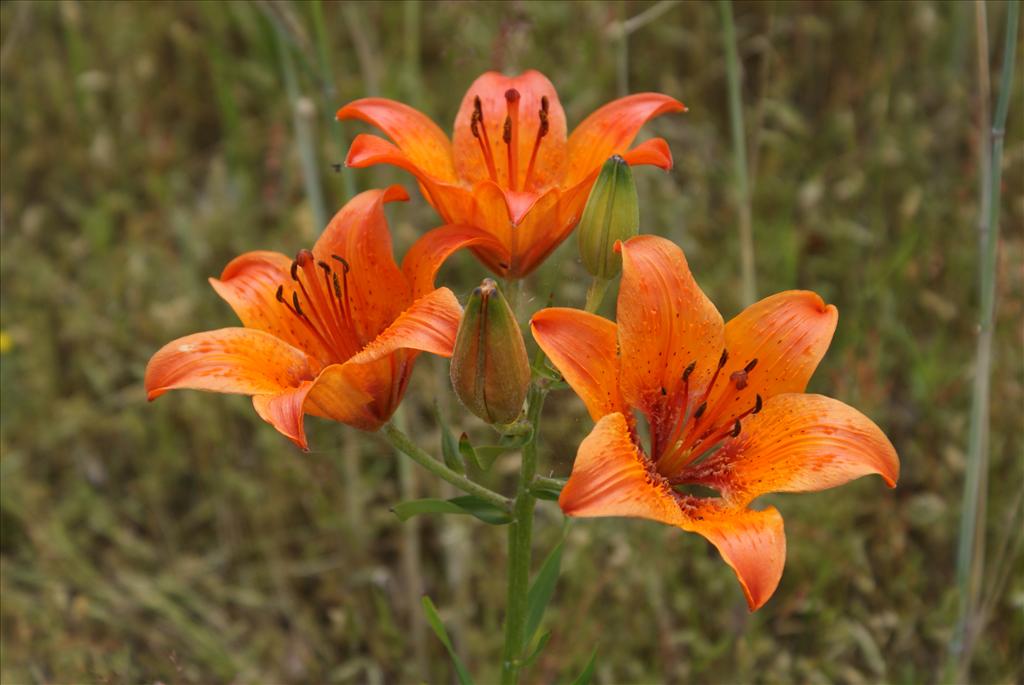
322, 303
687, 429
510, 137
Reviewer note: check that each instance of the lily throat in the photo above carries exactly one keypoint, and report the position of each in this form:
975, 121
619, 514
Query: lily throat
689, 424
322, 302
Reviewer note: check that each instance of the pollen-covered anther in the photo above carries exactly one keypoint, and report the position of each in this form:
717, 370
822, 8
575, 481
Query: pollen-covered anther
689, 371
757, 405
736, 428
344, 264
479, 130
542, 130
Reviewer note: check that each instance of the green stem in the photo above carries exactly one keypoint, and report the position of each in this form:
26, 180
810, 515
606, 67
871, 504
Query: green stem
970, 554
302, 117
739, 153
520, 538
403, 444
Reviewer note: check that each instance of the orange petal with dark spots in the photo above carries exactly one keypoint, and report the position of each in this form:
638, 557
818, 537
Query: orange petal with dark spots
359, 234
752, 542
230, 360
798, 443
249, 284
788, 334
611, 477
665, 323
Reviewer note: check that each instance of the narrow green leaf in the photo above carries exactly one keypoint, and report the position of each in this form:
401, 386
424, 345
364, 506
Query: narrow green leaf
406, 510
545, 491
465, 505
541, 644
483, 510
543, 371
588, 671
449, 447
540, 592
483, 457
435, 623
469, 454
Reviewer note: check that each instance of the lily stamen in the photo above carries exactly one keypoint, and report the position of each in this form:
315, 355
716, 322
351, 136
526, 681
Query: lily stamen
511, 136
318, 304
542, 130
479, 130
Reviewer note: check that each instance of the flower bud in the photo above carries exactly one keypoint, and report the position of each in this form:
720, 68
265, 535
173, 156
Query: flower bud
612, 213
490, 369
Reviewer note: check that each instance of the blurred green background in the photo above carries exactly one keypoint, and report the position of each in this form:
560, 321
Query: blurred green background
143, 145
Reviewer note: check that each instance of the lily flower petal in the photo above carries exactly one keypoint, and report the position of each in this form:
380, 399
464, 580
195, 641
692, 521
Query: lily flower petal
774, 347
429, 325
428, 253
583, 347
654, 152
752, 542
284, 411
665, 321
365, 390
611, 477
525, 123
231, 360
798, 443
249, 283
610, 130
359, 235
419, 138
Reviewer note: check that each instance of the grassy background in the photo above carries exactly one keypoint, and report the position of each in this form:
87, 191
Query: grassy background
144, 145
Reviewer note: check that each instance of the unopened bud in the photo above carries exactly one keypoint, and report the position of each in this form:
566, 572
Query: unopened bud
490, 369
612, 213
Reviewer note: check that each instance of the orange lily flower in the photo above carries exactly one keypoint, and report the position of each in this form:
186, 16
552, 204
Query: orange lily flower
332, 333
724, 404
510, 170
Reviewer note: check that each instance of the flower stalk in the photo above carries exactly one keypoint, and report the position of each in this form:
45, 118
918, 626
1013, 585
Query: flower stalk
520, 540
401, 442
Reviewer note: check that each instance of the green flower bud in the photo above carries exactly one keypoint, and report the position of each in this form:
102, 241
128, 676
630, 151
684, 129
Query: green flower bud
490, 369
612, 213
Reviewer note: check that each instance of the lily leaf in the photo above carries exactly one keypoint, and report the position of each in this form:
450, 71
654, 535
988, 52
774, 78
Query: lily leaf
542, 642
543, 587
449, 447
546, 491
466, 504
435, 623
588, 672
545, 371
484, 455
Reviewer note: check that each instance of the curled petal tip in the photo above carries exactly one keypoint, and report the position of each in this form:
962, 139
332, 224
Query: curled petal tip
395, 193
